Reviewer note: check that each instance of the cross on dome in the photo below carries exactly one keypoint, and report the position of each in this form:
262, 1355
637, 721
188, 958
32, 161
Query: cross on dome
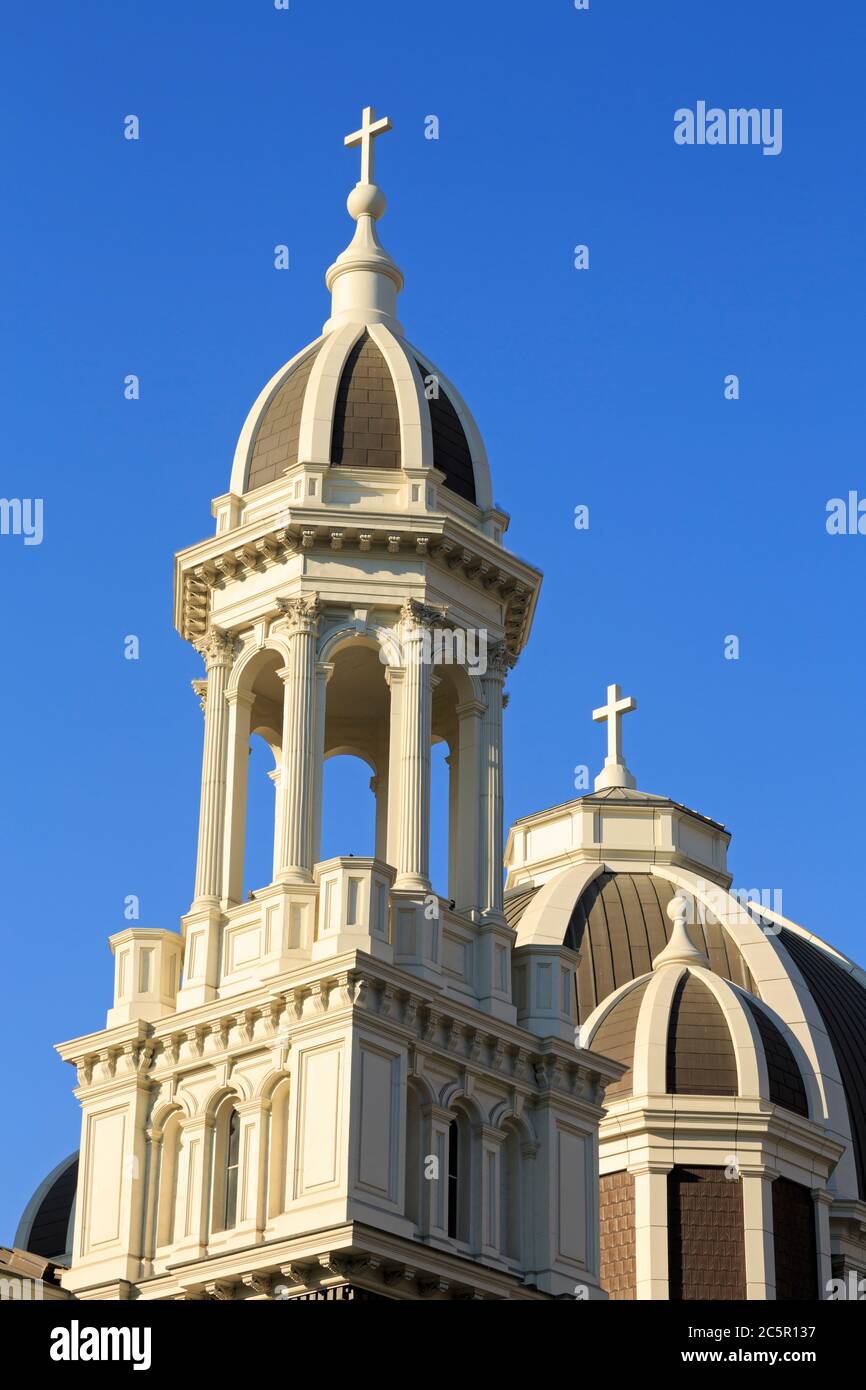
614, 773
364, 137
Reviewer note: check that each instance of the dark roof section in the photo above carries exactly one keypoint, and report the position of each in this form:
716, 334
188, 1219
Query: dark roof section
366, 419
615, 1035
700, 1058
46, 1227
516, 902
451, 452
786, 1080
620, 923
276, 443
842, 1003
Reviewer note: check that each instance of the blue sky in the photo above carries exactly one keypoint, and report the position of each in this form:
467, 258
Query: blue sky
602, 387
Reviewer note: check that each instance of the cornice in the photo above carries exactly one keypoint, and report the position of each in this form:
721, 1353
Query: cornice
249, 549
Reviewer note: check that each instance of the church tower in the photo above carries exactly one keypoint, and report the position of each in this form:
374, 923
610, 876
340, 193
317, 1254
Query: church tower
344, 1085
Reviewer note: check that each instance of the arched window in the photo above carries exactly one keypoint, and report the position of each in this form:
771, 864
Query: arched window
233, 1143
453, 1177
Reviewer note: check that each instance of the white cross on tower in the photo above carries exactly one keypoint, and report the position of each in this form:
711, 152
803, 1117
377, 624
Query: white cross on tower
364, 137
614, 773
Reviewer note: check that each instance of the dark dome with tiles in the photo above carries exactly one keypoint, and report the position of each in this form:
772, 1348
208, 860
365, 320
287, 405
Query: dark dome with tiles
366, 421
47, 1223
620, 922
700, 1059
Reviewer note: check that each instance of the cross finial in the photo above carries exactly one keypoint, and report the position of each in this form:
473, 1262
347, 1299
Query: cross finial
614, 773
364, 137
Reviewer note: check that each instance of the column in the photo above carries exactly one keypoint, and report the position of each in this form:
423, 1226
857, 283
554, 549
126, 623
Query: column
413, 857
651, 1228
324, 672
760, 1255
239, 704
394, 676
491, 833
466, 850
823, 1206
217, 649
297, 776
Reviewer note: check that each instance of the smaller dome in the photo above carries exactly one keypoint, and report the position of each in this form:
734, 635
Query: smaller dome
47, 1223
388, 400
692, 1025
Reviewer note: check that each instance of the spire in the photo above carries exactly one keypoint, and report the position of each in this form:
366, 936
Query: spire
614, 773
364, 281
680, 950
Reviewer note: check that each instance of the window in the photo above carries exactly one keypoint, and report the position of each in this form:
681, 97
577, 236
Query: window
230, 1214
453, 1170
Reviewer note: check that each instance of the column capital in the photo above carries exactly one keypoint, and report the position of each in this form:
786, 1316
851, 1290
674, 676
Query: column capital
420, 614
199, 688
499, 662
216, 647
299, 614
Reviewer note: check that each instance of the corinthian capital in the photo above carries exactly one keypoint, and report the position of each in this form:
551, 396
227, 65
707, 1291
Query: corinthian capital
216, 647
420, 614
499, 660
299, 614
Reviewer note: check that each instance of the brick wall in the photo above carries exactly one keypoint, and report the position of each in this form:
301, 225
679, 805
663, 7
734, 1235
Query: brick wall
616, 1209
706, 1244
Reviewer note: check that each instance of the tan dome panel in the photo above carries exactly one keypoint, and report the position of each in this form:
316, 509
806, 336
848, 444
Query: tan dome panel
276, 443
700, 1059
620, 923
615, 1038
366, 419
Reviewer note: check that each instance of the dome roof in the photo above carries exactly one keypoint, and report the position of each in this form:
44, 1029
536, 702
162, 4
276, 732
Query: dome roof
47, 1223
363, 416
618, 924
360, 396
712, 1038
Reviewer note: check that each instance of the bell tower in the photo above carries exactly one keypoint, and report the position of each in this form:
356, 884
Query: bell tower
357, 1085
357, 596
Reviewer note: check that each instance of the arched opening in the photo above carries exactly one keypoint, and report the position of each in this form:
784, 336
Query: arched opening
357, 736
259, 833
225, 1165
459, 1177
455, 786
348, 807
441, 869
251, 840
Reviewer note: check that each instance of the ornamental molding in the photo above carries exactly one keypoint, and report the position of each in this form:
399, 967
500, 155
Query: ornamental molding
483, 564
455, 1043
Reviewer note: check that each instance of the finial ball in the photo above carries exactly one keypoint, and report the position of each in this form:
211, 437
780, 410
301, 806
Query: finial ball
366, 200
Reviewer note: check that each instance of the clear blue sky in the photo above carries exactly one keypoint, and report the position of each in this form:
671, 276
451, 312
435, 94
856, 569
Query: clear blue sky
602, 387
